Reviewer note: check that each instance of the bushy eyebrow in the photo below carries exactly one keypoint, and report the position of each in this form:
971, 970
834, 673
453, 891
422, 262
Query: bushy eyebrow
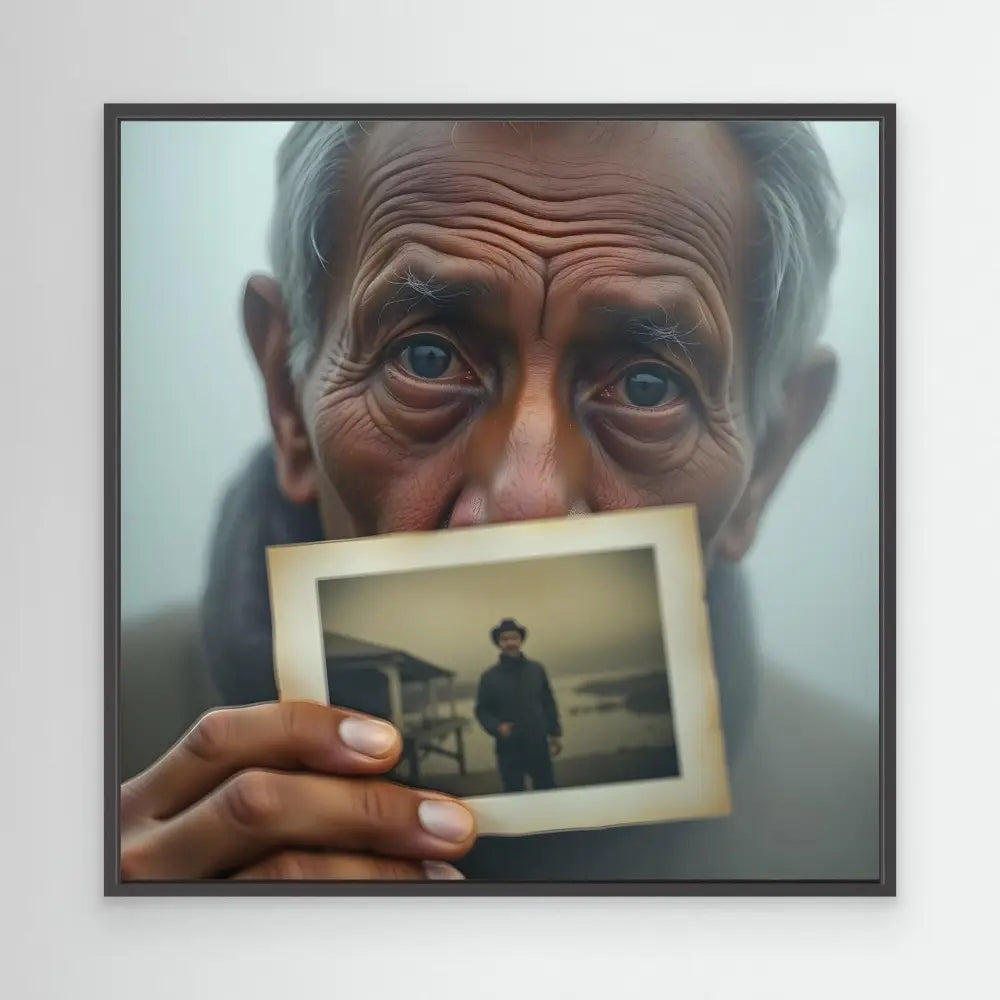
411, 291
658, 326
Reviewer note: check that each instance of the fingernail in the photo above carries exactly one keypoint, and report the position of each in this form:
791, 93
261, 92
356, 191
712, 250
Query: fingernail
447, 820
441, 870
368, 736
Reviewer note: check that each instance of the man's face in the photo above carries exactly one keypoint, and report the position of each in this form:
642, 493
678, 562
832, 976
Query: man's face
510, 642
531, 321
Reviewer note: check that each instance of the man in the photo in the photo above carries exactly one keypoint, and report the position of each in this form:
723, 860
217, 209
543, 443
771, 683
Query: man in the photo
515, 705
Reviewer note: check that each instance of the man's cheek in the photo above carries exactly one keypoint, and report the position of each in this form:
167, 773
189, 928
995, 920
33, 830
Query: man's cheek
420, 494
384, 482
712, 477
714, 481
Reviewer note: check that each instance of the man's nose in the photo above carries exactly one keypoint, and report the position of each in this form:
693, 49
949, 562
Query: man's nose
530, 460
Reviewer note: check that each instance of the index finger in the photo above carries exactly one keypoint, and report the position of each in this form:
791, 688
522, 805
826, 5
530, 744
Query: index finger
289, 735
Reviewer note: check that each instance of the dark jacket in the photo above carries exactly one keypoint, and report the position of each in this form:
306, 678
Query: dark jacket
516, 690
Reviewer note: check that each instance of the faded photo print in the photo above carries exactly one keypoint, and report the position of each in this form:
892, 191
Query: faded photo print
568, 689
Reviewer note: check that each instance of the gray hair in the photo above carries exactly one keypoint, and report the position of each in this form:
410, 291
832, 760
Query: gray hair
793, 259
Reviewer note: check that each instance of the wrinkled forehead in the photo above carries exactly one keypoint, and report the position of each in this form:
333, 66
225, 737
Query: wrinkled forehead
697, 157
681, 188
696, 160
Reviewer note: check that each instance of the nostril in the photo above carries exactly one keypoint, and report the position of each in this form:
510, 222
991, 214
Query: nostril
469, 509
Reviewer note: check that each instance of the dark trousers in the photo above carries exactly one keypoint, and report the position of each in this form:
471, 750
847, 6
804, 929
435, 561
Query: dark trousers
518, 762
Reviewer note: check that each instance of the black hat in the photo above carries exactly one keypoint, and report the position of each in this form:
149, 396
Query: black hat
507, 625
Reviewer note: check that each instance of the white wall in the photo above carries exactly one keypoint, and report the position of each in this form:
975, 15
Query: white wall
195, 201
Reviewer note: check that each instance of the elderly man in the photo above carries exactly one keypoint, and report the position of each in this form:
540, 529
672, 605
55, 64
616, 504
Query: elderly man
482, 322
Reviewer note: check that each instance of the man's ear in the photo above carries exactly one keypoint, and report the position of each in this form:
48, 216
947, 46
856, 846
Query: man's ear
807, 393
268, 332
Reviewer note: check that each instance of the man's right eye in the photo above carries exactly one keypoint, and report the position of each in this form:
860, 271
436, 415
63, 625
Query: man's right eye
429, 357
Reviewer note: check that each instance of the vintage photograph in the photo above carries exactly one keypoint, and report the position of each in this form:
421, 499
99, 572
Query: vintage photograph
486, 705
522, 676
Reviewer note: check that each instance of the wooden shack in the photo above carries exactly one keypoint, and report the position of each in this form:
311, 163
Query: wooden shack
413, 694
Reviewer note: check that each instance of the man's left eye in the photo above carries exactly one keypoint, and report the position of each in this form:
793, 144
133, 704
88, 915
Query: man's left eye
646, 386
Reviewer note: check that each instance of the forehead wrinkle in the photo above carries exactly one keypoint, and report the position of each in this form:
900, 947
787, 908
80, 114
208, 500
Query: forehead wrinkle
559, 191
528, 176
696, 155
574, 149
691, 228
686, 246
430, 196
538, 181
495, 253
531, 218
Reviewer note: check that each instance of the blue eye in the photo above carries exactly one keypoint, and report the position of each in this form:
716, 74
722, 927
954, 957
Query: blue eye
649, 386
429, 359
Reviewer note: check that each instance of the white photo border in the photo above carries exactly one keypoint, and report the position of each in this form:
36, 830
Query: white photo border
702, 788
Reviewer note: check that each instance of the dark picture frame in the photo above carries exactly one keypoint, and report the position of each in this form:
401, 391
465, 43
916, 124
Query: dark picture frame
883, 114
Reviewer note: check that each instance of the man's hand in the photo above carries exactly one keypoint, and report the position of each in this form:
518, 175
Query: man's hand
505, 729
287, 790
555, 745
